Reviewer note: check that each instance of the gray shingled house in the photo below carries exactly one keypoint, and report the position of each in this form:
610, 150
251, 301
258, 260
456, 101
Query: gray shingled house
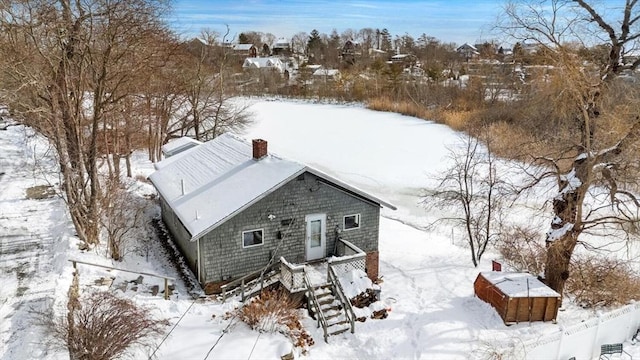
231, 207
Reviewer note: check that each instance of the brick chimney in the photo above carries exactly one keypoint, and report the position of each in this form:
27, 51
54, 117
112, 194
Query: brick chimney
259, 149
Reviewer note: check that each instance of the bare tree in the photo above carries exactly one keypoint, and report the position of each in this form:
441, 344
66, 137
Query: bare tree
593, 125
68, 62
299, 42
211, 111
471, 189
122, 215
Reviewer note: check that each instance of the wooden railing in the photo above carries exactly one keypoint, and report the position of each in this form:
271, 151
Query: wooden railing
291, 276
350, 258
345, 248
346, 303
166, 278
320, 319
249, 282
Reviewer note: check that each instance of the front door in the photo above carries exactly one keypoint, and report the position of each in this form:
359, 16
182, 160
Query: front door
316, 238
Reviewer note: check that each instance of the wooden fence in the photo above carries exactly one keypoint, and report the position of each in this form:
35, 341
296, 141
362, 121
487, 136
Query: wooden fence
166, 278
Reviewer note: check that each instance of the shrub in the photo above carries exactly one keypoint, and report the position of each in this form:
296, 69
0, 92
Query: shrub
596, 281
522, 249
275, 311
104, 326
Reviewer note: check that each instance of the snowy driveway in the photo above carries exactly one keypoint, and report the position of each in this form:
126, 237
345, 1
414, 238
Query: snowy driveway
28, 272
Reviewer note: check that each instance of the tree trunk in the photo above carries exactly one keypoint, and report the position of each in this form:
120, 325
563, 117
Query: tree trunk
128, 163
567, 225
558, 261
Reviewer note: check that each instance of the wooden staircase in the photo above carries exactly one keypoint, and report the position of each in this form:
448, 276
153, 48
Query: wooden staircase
332, 310
328, 305
326, 300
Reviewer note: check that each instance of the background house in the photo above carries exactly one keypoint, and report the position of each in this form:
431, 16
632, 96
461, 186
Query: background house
351, 51
468, 51
232, 207
264, 63
282, 47
326, 75
245, 50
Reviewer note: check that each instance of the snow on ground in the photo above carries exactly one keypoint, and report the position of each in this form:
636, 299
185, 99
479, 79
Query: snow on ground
387, 154
427, 277
33, 242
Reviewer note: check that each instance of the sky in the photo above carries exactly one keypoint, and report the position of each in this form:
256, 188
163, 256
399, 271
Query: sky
456, 21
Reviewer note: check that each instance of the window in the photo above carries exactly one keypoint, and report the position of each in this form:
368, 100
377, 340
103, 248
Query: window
251, 238
352, 222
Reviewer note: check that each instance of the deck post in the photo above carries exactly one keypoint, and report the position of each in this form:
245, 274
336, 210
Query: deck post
166, 289
242, 290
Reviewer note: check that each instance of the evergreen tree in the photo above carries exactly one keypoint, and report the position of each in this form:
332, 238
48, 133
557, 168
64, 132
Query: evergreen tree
315, 46
333, 50
385, 40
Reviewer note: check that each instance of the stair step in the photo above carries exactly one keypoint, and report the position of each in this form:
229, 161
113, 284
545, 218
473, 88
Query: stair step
326, 300
330, 306
337, 321
322, 292
339, 329
331, 313
321, 286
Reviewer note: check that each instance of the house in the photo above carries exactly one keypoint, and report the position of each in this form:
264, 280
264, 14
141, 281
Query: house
468, 51
232, 207
378, 54
178, 145
406, 60
351, 50
282, 47
517, 297
326, 75
245, 50
630, 56
264, 63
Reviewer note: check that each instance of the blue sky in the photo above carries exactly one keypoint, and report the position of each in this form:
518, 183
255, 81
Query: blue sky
456, 21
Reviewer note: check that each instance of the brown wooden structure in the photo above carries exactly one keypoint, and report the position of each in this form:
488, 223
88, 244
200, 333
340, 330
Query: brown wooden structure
517, 297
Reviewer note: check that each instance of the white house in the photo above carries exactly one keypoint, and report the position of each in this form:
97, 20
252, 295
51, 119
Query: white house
327, 74
265, 63
468, 51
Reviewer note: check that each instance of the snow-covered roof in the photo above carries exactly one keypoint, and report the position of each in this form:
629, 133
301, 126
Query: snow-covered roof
519, 284
179, 145
326, 72
210, 183
281, 44
264, 63
242, 47
467, 46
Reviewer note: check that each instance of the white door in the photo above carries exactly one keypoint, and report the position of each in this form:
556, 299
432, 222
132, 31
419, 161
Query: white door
316, 238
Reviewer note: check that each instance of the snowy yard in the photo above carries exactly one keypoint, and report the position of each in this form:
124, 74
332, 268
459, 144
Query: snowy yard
428, 276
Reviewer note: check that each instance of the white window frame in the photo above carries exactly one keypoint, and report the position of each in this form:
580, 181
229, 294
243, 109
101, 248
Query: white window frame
250, 231
358, 220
